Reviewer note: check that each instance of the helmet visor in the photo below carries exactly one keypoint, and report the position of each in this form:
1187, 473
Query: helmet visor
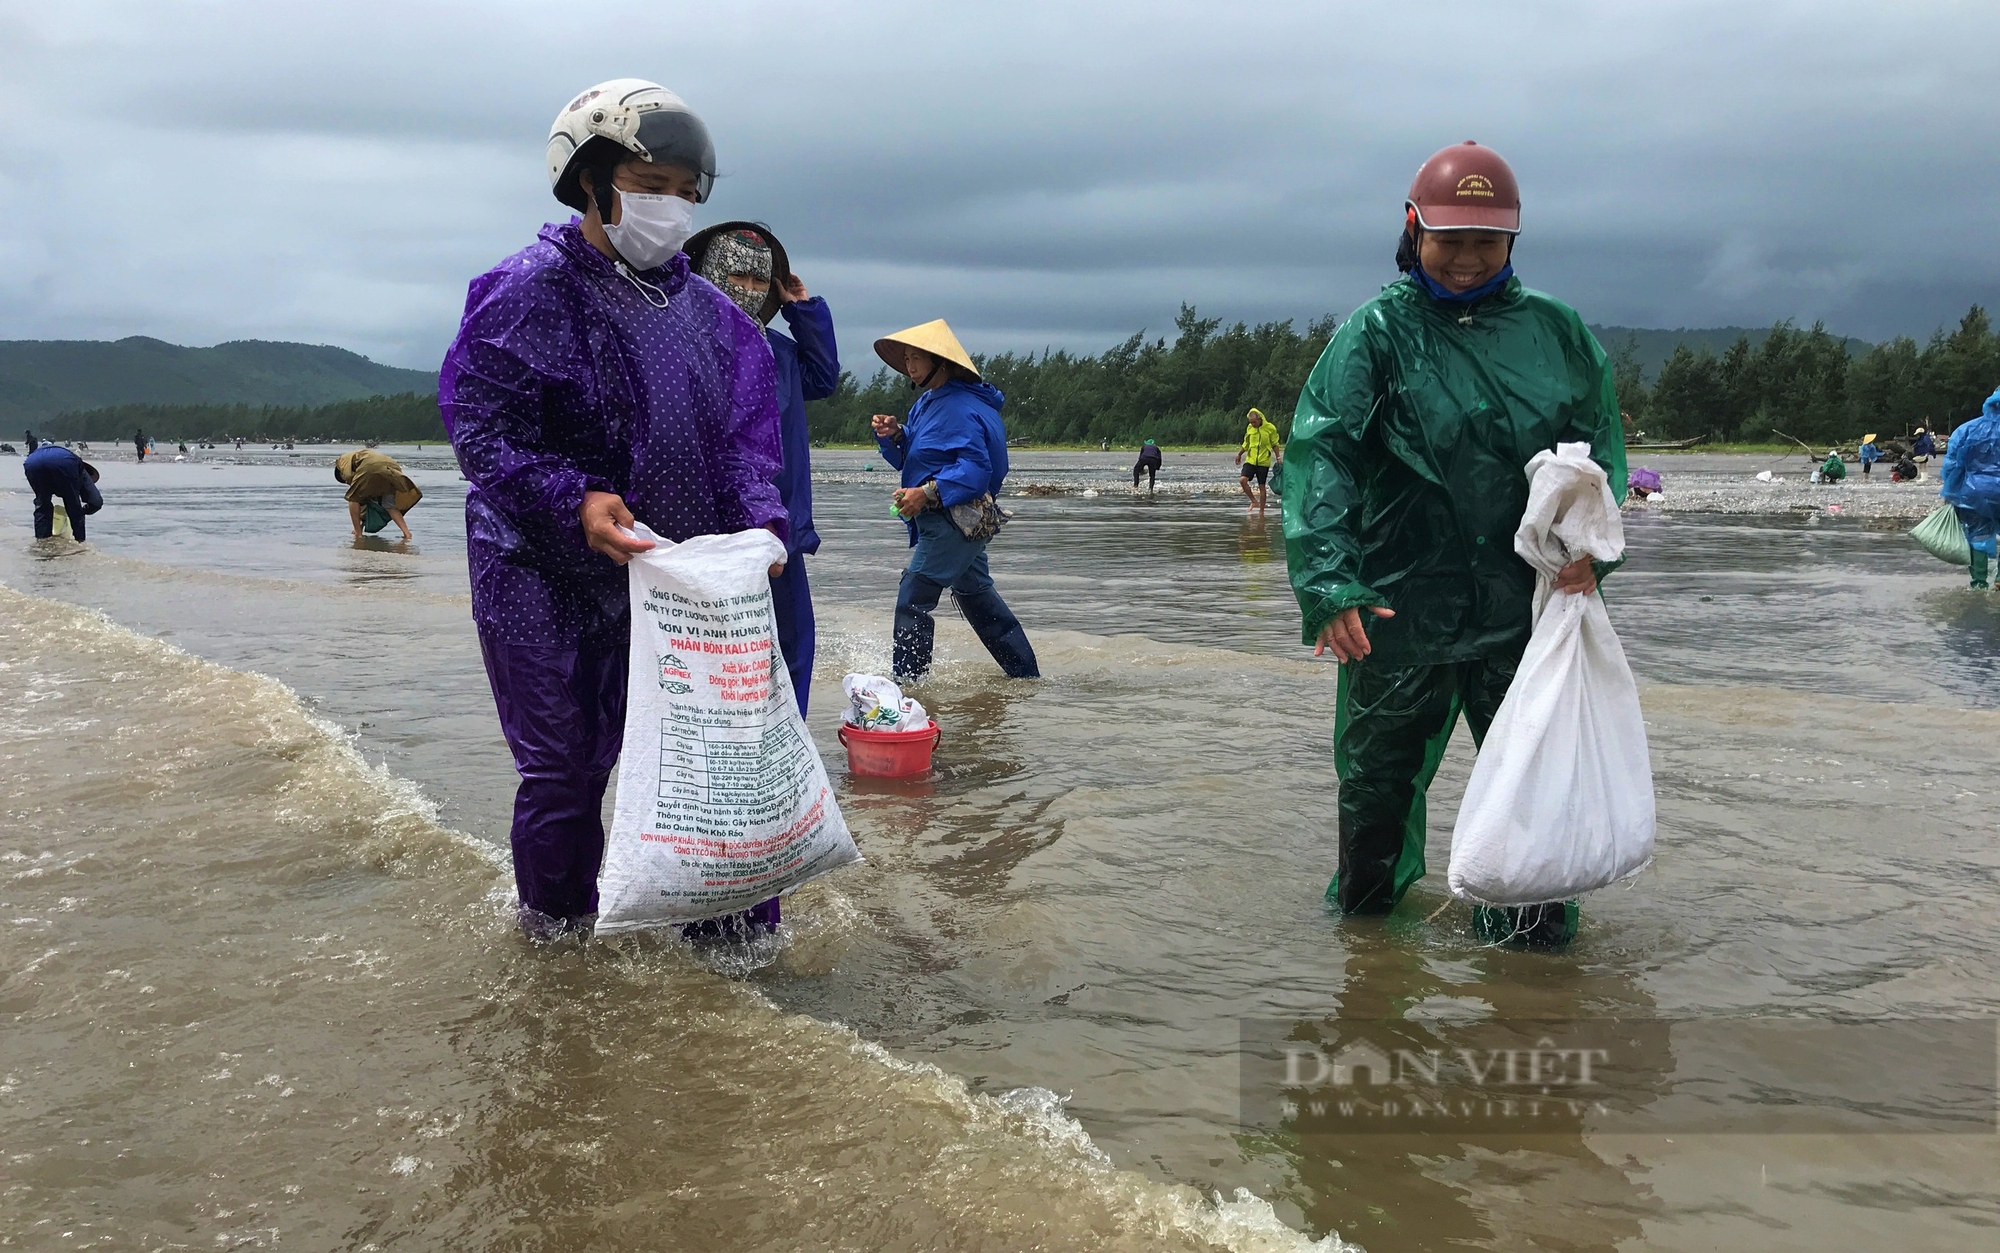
677, 137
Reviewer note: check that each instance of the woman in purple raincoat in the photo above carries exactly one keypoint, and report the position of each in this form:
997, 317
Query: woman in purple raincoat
594, 382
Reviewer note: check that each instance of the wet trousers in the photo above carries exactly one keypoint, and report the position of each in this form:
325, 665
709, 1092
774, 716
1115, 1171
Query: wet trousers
1391, 728
791, 601
562, 710
943, 559
1979, 537
50, 484
1148, 468
563, 713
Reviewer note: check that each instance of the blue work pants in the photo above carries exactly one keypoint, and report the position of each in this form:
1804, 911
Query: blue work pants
944, 559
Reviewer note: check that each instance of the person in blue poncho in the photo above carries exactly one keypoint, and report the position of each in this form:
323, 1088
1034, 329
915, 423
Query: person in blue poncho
1970, 484
748, 264
952, 451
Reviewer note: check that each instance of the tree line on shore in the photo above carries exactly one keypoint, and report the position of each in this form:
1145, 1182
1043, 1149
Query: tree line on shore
409, 418
1805, 384
1195, 388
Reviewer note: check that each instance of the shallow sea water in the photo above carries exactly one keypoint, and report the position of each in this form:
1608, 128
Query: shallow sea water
260, 986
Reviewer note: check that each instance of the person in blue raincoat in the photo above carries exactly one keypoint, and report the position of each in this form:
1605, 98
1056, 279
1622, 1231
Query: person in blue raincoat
1871, 452
57, 474
749, 265
952, 451
1969, 481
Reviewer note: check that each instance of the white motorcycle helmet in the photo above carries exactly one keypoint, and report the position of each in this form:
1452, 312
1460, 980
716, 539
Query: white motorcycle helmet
621, 118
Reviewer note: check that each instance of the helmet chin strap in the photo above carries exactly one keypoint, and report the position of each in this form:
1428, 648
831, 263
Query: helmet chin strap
600, 190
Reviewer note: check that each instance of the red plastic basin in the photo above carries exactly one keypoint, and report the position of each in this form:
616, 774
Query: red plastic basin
889, 754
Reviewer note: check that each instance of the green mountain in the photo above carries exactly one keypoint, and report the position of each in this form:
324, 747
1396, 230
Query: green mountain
43, 377
1653, 347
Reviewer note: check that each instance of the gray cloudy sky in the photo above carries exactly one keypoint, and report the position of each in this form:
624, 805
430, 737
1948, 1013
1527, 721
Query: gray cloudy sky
1040, 174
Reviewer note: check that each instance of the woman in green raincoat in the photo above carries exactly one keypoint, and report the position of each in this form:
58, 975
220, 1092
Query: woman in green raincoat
1407, 481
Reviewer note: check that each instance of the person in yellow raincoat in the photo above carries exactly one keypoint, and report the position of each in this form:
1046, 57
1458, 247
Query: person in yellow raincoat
1261, 447
378, 492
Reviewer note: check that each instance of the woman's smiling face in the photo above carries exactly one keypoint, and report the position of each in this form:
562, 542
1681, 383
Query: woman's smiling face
1462, 260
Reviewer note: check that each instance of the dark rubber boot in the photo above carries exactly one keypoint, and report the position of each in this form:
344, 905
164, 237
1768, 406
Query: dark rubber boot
1527, 926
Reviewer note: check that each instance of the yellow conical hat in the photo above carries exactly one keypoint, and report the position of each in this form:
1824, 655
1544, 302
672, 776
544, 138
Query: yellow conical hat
934, 338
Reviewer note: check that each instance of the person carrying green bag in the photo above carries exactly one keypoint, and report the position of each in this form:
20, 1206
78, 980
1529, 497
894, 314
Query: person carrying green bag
1407, 483
378, 492
1969, 481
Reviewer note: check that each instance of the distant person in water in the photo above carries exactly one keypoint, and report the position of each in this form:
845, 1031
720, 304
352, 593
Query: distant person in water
1924, 446
1261, 448
1871, 452
139, 444
952, 451
33, 443
378, 492
1148, 464
57, 474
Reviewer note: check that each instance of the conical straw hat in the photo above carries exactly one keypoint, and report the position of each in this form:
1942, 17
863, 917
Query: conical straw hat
934, 338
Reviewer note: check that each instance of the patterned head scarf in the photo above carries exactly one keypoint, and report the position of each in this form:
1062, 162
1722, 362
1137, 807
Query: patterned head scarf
739, 252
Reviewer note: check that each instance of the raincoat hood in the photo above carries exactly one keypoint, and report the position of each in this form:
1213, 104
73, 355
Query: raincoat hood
1405, 470
1970, 475
984, 393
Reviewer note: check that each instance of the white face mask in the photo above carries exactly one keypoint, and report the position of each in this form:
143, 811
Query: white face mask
650, 229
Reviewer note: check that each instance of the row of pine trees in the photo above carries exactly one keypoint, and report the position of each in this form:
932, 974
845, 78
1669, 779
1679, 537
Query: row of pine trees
1196, 388
1806, 385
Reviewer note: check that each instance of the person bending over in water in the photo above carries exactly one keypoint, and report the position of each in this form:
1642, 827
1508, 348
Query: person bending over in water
1408, 455
57, 474
378, 492
1148, 464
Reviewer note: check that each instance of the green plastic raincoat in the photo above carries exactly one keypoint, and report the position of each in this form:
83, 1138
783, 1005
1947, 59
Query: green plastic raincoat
1407, 464
1406, 476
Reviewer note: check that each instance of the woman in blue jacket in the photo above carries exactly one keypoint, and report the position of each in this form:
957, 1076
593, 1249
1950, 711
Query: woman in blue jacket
952, 450
746, 263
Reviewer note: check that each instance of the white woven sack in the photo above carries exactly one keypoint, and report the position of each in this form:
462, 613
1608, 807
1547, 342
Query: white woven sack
1561, 796
722, 798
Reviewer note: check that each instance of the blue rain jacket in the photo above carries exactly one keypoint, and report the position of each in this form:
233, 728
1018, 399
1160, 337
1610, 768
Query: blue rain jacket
954, 435
1969, 479
808, 369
